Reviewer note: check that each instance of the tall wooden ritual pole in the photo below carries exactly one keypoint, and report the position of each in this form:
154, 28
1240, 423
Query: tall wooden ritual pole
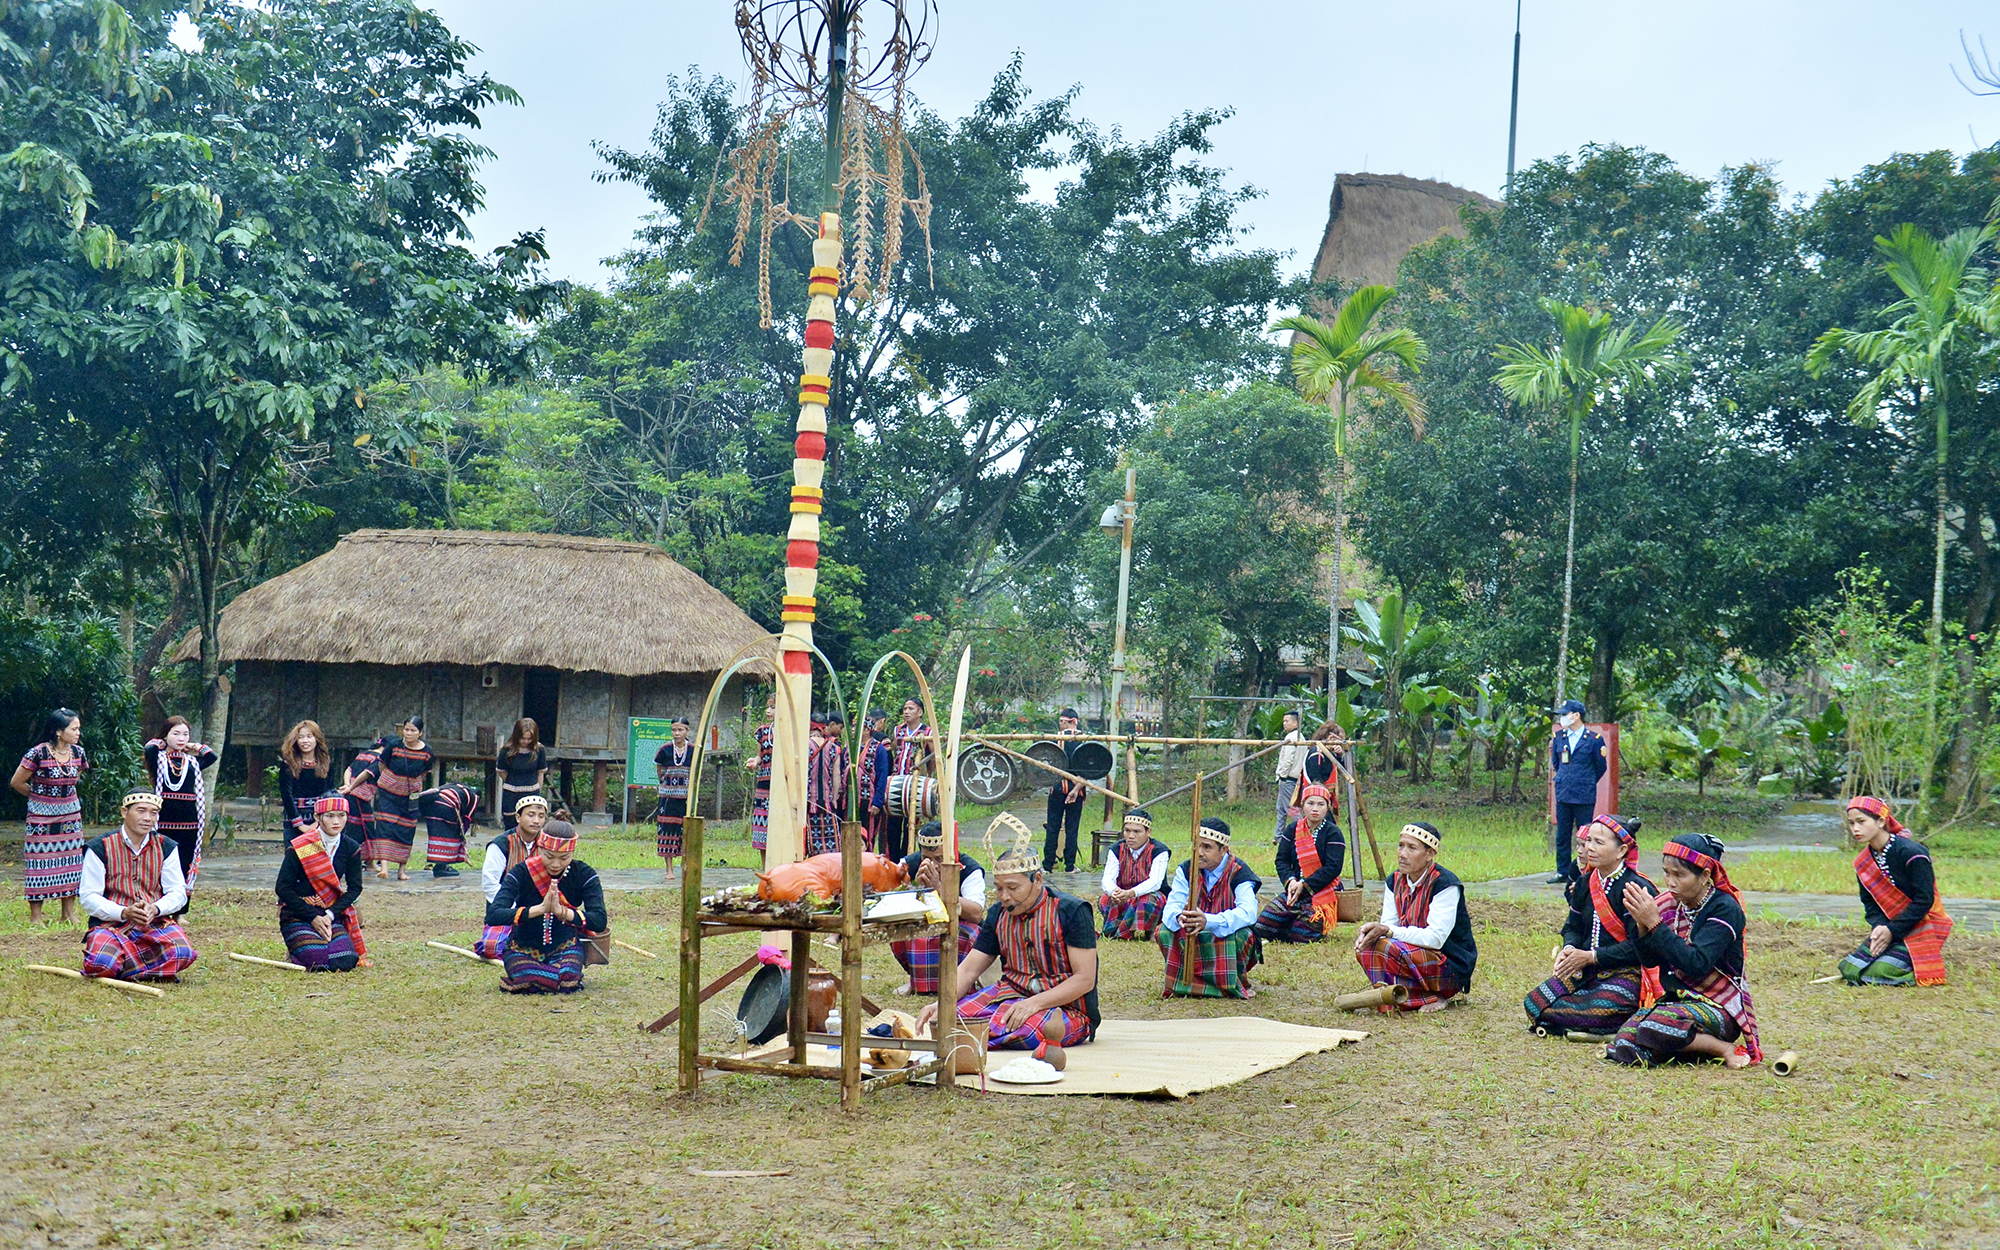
792, 714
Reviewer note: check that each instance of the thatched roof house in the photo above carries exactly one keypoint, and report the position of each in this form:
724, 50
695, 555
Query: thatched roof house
1373, 220
474, 630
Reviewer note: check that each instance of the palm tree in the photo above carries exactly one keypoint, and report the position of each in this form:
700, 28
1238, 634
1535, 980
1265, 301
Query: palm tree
1331, 363
1943, 295
1588, 361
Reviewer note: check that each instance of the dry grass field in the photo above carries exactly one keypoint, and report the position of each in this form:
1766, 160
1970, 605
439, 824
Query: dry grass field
414, 1104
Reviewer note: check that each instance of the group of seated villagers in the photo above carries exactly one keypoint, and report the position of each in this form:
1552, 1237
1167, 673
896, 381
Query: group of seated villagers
1658, 974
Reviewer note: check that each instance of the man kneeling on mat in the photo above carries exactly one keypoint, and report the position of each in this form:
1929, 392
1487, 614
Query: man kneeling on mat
553, 901
317, 884
1424, 940
1046, 997
132, 878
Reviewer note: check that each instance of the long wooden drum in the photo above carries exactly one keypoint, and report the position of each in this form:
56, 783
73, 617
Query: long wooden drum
912, 797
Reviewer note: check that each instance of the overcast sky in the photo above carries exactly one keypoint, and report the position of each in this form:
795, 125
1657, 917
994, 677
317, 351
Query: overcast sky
1819, 89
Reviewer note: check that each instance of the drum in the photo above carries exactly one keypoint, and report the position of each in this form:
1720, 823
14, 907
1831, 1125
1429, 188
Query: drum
1049, 755
912, 797
1091, 761
985, 777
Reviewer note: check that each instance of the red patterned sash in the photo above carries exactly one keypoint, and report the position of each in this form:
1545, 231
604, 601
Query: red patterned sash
1033, 957
132, 877
1220, 897
1650, 988
538, 872
1413, 906
1926, 941
1326, 902
1729, 994
327, 885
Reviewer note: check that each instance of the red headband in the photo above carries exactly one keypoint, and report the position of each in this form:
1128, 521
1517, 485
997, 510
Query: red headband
1314, 788
1876, 808
330, 803
1611, 821
1680, 850
549, 841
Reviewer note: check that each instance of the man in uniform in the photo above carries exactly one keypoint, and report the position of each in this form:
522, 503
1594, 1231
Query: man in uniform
1065, 814
1576, 758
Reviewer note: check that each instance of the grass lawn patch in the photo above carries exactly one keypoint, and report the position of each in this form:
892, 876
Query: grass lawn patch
414, 1104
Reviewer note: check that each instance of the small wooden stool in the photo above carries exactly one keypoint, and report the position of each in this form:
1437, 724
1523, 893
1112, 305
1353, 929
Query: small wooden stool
1102, 840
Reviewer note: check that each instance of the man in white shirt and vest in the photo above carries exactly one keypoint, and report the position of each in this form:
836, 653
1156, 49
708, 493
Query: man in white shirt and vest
131, 879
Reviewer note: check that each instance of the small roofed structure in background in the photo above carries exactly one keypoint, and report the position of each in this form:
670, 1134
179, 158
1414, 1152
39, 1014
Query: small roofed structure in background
473, 630
1373, 220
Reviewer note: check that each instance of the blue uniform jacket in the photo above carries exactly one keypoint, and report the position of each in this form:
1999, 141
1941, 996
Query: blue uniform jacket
1576, 780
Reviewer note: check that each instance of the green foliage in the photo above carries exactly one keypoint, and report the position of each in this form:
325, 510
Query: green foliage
1874, 660
73, 661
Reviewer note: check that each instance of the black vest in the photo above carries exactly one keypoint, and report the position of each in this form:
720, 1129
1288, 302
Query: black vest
1461, 953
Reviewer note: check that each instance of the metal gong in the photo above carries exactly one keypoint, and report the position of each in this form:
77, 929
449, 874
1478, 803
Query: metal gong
1091, 761
985, 777
1048, 754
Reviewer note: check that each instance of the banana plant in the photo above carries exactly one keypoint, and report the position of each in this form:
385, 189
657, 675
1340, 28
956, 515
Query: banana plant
1394, 637
1705, 748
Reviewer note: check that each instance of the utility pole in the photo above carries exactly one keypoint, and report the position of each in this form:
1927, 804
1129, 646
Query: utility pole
1124, 513
1514, 104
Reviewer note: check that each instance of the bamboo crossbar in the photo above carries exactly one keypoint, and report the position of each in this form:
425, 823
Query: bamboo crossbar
636, 950
130, 987
871, 1042
267, 963
1144, 740
755, 1067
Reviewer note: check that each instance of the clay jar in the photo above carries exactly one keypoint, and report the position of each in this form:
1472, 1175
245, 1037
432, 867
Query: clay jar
821, 990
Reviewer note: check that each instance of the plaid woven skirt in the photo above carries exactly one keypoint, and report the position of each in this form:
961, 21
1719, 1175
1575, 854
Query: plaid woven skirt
1662, 1031
554, 972
1069, 1026
493, 940
1418, 969
1221, 965
1135, 918
1289, 922
920, 956
144, 955
1582, 1004
315, 954
1891, 967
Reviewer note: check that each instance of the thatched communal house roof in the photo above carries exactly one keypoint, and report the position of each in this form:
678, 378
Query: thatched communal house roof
1374, 220
410, 597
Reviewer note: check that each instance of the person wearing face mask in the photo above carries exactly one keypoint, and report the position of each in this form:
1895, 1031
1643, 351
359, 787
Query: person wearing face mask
553, 901
1576, 759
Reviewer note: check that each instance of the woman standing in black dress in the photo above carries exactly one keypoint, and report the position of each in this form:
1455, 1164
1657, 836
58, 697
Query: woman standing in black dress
403, 767
522, 763
303, 764
176, 765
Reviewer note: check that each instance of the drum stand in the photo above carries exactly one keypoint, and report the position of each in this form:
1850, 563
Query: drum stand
852, 934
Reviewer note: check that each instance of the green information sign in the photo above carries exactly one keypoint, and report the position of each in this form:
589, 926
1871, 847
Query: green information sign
643, 741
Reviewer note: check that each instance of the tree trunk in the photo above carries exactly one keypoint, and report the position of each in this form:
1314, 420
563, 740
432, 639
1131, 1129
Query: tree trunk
1602, 697
1333, 600
1976, 708
1937, 598
1569, 581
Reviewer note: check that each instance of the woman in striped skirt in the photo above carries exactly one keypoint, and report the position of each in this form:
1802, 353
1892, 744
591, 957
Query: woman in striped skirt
176, 765
672, 764
52, 854
404, 765
1598, 981
318, 883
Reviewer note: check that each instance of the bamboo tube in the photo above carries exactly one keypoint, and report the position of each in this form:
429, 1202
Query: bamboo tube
634, 949
1586, 1039
460, 950
1140, 740
1379, 996
130, 987
1785, 1064
267, 963
1825, 979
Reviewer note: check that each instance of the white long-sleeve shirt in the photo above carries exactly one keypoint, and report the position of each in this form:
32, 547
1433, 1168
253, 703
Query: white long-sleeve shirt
1156, 876
173, 886
1437, 925
1291, 759
492, 869
1220, 923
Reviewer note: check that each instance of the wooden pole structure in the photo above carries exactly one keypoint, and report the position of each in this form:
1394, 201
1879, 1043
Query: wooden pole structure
690, 1008
1191, 942
850, 965
947, 1012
